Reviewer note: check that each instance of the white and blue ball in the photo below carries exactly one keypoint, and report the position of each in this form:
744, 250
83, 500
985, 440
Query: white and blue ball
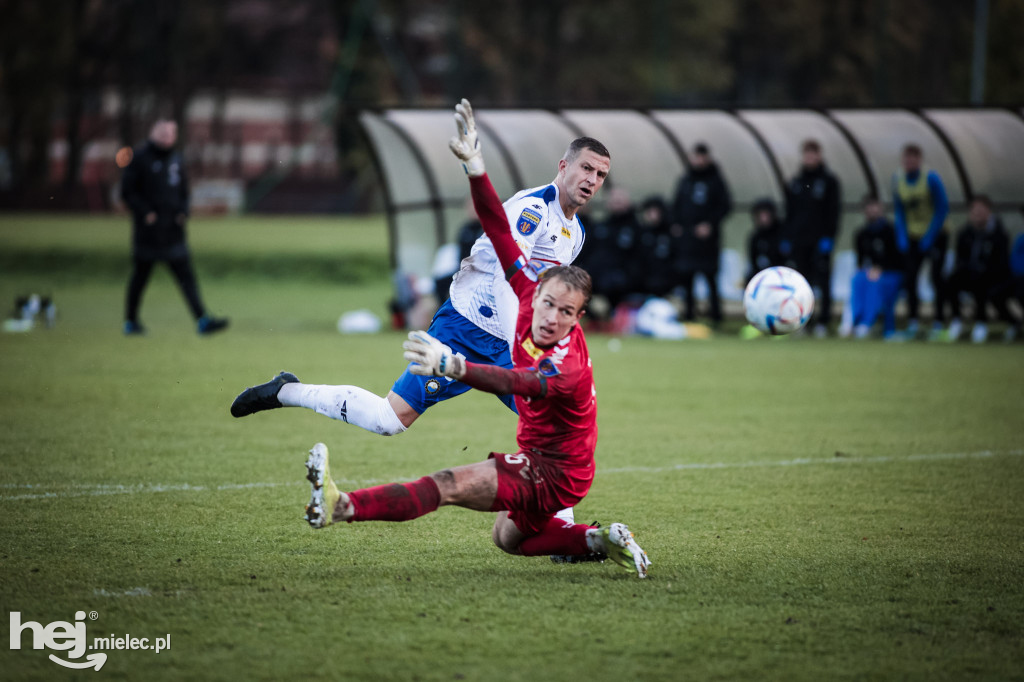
778, 300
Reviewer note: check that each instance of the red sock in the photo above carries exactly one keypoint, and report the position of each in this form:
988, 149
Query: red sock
396, 501
558, 537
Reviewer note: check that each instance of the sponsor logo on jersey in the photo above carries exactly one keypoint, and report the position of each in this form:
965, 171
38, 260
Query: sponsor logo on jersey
531, 349
528, 221
566, 232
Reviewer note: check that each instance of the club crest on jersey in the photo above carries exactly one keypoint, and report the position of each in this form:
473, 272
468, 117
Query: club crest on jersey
548, 367
528, 221
531, 349
432, 386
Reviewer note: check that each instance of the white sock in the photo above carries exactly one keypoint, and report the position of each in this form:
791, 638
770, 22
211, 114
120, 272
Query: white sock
349, 404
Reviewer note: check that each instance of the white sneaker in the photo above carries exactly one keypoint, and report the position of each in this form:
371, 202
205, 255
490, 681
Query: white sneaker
623, 550
324, 496
861, 331
980, 333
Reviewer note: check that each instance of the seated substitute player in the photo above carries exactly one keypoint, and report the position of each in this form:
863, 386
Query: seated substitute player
553, 384
982, 270
763, 243
876, 284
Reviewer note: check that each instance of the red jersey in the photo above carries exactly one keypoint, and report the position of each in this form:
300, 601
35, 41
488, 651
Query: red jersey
560, 423
563, 424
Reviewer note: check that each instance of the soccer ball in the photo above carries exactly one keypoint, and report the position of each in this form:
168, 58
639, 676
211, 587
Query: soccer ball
778, 300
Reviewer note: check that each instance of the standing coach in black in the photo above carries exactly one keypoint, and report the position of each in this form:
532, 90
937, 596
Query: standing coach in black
155, 188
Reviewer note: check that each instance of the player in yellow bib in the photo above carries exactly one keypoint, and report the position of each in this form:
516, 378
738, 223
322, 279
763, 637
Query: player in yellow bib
920, 207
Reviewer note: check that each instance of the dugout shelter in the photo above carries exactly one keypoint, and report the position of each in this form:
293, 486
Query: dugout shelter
976, 151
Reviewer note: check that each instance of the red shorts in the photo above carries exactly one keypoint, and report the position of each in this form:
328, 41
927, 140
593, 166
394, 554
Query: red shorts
532, 488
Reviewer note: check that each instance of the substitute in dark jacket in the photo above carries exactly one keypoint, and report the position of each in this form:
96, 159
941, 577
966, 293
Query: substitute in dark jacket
155, 188
812, 222
658, 245
763, 245
611, 251
982, 270
701, 204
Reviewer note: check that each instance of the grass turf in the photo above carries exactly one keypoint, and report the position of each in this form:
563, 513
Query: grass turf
814, 510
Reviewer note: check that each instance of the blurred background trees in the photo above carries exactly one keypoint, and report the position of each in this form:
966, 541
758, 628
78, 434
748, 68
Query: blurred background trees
66, 66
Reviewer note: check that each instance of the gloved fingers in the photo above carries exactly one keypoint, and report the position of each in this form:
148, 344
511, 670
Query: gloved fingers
422, 336
465, 111
421, 370
461, 125
416, 357
415, 345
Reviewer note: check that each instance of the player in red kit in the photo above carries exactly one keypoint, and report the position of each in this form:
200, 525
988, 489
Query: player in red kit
552, 380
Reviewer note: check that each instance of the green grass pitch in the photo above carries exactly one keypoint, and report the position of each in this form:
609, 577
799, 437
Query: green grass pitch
814, 510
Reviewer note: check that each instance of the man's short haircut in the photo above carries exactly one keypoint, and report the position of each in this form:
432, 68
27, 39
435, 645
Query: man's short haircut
701, 148
870, 198
574, 277
811, 145
160, 121
581, 143
982, 199
763, 204
912, 149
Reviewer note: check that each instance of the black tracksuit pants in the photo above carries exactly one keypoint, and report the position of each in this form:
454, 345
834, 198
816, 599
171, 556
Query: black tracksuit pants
181, 268
936, 259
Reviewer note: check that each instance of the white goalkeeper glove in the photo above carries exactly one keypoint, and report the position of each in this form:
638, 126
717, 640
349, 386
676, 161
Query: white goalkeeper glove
430, 357
466, 145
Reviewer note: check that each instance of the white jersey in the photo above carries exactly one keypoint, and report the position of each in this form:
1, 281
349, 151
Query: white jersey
480, 292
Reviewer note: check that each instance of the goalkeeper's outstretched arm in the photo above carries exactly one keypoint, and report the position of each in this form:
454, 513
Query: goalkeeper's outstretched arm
495, 223
430, 357
466, 147
501, 381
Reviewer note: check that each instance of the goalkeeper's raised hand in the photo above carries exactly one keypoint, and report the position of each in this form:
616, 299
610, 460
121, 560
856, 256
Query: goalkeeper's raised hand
466, 145
430, 357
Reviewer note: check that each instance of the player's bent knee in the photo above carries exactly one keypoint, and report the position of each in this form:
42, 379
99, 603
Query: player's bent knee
504, 546
445, 481
503, 542
505, 535
473, 486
